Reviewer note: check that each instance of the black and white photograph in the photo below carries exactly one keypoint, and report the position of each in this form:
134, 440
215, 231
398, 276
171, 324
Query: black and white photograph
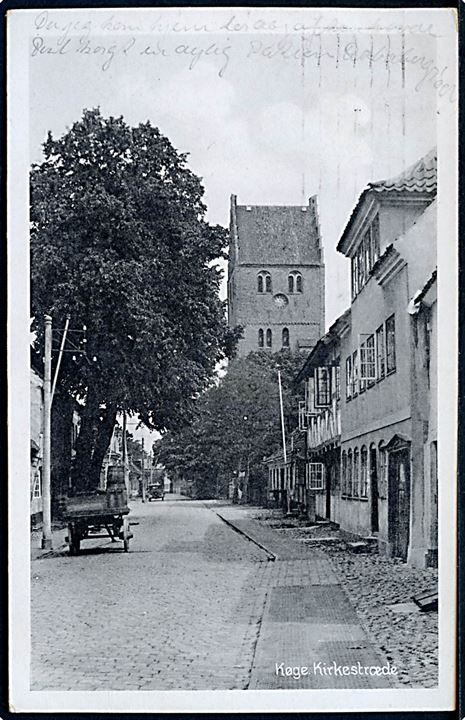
232, 264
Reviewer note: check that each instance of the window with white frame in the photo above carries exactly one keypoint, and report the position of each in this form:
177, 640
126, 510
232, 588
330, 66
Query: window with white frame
362, 382
315, 476
365, 257
354, 373
390, 344
349, 377
367, 362
380, 353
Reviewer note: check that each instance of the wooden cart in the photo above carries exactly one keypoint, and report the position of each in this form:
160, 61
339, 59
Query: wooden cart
88, 515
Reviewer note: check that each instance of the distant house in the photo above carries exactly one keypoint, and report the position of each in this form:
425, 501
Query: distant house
36, 442
276, 276
65, 426
387, 432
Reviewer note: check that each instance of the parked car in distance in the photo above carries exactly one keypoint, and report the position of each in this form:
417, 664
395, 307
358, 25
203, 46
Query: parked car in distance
155, 492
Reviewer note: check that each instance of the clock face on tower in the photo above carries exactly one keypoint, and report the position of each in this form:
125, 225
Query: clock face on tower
280, 300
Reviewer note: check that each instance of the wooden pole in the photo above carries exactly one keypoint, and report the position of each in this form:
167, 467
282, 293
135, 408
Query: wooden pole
46, 460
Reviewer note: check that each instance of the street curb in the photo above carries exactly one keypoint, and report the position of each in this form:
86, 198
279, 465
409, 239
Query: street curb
271, 556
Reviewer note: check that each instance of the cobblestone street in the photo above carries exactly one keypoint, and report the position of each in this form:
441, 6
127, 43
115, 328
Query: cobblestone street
179, 611
196, 604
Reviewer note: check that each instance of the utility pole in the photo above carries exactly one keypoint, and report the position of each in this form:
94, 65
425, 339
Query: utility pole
288, 498
46, 460
143, 472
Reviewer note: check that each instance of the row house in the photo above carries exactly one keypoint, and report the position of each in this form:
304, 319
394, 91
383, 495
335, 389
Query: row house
390, 240
320, 421
369, 417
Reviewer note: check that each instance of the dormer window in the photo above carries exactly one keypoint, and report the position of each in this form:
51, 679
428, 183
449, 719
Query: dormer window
366, 256
295, 282
264, 282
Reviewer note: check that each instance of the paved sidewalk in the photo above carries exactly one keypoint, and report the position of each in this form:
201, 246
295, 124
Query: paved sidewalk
309, 621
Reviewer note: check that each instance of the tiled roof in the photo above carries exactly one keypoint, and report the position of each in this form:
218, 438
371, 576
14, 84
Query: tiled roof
281, 234
420, 177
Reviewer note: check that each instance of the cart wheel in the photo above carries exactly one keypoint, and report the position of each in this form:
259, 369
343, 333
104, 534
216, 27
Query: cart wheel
126, 535
73, 539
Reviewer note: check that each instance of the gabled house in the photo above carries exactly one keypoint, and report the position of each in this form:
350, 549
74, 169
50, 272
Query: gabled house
320, 421
390, 240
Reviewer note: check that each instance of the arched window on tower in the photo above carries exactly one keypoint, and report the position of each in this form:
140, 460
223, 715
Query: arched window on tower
285, 337
269, 338
260, 338
294, 282
264, 282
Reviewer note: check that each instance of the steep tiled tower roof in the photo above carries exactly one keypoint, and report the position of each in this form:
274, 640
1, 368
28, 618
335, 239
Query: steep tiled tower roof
283, 234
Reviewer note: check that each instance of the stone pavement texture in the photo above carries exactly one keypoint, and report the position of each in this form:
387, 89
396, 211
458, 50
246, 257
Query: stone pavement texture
181, 610
309, 621
194, 605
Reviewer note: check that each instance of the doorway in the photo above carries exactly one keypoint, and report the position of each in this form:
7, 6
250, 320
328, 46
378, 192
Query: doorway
399, 501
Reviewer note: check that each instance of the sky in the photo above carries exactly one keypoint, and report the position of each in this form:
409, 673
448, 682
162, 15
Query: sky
267, 110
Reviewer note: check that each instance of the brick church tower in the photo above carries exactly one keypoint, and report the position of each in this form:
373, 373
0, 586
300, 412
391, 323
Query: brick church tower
276, 276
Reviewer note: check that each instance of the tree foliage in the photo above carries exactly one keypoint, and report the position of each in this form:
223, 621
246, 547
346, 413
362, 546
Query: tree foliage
120, 242
236, 425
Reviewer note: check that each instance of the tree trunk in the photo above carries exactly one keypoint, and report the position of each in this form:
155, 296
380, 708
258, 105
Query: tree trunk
92, 443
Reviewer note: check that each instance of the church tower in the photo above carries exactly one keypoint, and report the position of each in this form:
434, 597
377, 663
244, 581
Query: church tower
276, 276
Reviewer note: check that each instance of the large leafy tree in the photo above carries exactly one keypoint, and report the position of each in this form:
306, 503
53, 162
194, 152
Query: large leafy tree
119, 241
237, 424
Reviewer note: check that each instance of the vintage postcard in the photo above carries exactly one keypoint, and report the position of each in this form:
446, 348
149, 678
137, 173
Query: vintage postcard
232, 264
